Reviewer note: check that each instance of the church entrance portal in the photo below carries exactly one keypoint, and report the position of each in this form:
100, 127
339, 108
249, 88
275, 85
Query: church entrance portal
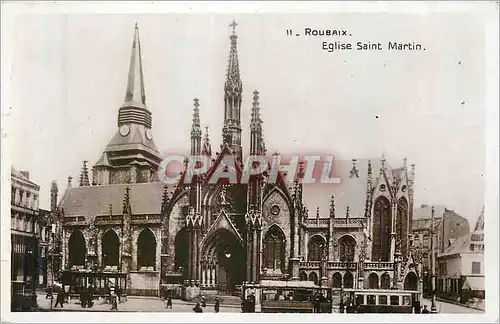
223, 263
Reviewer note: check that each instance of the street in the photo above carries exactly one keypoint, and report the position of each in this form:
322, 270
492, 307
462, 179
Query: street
134, 304
153, 304
448, 308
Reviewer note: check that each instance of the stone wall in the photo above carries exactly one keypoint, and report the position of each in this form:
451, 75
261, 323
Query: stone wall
176, 223
276, 202
144, 283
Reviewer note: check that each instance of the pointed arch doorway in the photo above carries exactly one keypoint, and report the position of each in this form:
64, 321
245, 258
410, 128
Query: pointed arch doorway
225, 257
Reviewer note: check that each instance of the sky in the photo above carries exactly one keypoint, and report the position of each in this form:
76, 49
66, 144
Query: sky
69, 72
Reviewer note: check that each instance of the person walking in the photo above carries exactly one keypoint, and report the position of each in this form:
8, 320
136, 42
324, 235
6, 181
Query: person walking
197, 308
114, 303
203, 302
216, 305
59, 298
169, 301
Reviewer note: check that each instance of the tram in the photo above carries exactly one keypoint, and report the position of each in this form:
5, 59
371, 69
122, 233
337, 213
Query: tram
380, 301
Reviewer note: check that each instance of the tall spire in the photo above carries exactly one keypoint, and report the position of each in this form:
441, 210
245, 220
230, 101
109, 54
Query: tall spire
232, 98
135, 95
196, 129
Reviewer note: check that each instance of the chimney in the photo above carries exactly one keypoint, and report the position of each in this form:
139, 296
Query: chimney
26, 174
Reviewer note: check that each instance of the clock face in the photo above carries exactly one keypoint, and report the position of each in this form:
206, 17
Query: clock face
149, 135
124, 130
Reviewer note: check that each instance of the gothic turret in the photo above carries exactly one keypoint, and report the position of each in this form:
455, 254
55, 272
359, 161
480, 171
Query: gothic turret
132, 148
233, 88
207, 147
196, 130
53, 196
84, 175
257, 146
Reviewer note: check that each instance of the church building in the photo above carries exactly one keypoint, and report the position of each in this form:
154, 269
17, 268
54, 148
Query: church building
217, 238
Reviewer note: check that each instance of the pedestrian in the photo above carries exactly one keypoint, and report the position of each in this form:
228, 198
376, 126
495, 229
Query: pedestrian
114, 304
197, 308
60, 298
216, 305
83, 299
169, 302
203, 302
90, 296
425, 310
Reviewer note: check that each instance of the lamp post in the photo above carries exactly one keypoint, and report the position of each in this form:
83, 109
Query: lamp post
53, 231
433, 267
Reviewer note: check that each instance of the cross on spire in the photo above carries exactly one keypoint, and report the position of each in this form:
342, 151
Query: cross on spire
233, 24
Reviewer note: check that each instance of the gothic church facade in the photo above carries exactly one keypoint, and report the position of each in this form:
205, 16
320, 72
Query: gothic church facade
213, 238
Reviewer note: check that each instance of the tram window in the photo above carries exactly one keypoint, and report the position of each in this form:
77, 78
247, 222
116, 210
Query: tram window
395, 300
382, 300
371, 300
406, 300
359, 300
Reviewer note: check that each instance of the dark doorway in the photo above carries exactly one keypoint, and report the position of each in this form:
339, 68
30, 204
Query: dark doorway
77, 249
110, 249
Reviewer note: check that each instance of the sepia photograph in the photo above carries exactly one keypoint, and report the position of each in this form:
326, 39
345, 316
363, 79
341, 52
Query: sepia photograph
337, 159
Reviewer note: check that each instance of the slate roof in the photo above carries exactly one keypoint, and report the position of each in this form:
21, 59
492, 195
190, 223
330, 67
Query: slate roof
425, 212
145, 198
350, 192
17, 174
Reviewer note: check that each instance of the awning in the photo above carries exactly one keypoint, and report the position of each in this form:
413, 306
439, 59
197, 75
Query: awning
474, 284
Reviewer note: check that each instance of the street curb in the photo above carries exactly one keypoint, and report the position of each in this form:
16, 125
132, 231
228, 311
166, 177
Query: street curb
458, 304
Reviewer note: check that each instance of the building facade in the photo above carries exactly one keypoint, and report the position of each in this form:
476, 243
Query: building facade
461, 265
208, 237
448, 226
26, 224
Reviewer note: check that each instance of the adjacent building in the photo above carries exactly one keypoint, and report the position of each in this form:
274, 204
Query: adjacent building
461, 265
447, 227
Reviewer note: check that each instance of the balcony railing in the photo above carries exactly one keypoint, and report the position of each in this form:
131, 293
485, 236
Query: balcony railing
379, 265
348, 222
309, 264
342, 265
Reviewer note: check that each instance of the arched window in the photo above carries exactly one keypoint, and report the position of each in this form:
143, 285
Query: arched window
146, 249
402, 226
313, 277
347, 247
373, 281
274, 250
385, 281
348, 280
110, 248
411, 281
337, 280
303, 276
315, 248
381, 229
181, 251
77, 249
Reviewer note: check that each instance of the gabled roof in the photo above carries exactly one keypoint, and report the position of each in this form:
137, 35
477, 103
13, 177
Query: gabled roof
145, 198
223, 221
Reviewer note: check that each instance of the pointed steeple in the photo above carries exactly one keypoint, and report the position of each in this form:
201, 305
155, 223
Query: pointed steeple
233, 87
207, 147
233, 68
135, 95
196, 129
